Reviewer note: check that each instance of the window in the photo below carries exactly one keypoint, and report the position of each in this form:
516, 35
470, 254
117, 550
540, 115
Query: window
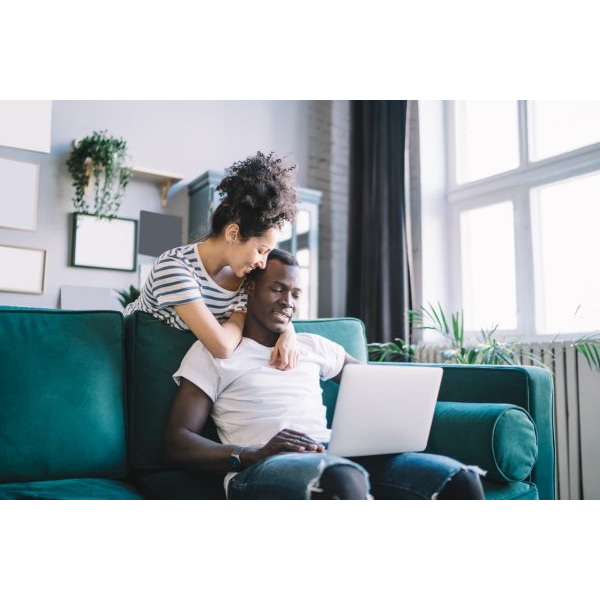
487, 139
301, 240
488, 266
523, 187
565, 219
558, 126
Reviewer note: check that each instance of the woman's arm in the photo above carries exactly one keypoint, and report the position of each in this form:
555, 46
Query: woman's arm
285, 355
220, 339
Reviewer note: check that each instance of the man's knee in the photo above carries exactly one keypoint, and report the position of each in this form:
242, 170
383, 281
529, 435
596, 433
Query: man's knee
465, 485
341, 482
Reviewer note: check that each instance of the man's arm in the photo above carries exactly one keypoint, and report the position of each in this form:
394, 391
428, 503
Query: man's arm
183, 443
348, 360
185, 446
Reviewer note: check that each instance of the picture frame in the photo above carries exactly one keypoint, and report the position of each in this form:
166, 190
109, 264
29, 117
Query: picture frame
104, 243
18, 194
159, 233
22, 269
26, 124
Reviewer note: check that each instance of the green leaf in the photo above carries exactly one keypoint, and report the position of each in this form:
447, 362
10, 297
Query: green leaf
443, 316
589, 348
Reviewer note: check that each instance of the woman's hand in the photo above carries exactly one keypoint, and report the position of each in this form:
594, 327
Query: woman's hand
285, 354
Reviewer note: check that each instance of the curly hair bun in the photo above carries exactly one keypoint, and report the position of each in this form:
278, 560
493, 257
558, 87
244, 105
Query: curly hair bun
258, 194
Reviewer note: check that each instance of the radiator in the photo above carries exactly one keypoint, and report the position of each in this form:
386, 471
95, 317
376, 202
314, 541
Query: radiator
576, 417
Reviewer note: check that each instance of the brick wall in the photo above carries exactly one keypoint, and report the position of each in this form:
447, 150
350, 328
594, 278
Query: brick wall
328, 171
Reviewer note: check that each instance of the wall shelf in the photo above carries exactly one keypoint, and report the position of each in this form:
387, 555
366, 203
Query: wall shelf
164, 180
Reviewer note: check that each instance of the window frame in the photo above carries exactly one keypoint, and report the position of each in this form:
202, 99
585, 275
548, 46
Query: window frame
516, 185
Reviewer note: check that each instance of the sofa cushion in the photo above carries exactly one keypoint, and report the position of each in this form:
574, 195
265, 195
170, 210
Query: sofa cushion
69, 489
154, 353
348, 332
500, 438
520, 490
180, 485
62, 394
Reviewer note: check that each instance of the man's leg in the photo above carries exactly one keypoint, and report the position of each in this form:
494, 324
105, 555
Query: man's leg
341, 482
300, 476
421, 476
465, 485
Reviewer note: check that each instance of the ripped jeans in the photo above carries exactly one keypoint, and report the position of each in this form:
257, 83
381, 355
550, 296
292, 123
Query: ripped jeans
294, 476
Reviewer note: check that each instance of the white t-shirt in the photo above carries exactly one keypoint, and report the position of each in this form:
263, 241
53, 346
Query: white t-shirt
254, 401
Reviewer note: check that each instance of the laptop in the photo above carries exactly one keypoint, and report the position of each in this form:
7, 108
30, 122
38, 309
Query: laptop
384, 409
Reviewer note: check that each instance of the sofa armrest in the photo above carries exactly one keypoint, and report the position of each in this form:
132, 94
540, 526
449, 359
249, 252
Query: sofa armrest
499, 438
527, 387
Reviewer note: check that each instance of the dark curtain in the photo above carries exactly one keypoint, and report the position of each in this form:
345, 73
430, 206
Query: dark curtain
379, 283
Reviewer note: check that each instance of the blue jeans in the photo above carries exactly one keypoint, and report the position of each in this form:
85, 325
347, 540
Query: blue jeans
295, 475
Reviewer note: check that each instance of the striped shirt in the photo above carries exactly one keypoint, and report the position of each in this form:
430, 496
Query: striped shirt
179, 277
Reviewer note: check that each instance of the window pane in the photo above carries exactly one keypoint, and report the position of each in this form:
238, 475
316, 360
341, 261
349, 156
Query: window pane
303, 257
285, 233
565, 219
488, 267
303, 311
302, 221
487, 138
557, 126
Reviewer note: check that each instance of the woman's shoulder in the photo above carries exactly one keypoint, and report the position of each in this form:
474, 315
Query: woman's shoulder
180, 252
181, 255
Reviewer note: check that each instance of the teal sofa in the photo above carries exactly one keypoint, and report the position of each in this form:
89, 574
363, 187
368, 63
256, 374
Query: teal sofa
84, 398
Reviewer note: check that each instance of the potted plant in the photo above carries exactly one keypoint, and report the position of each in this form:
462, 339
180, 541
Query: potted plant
103, 159
485, 350
127, 296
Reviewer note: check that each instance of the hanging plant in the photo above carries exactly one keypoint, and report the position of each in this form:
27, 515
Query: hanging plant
103, 158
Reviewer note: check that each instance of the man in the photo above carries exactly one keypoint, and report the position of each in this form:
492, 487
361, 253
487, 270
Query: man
272, 423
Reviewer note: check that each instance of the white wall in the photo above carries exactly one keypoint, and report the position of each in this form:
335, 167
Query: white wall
185, 137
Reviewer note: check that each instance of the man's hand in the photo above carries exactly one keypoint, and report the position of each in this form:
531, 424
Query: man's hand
287, 440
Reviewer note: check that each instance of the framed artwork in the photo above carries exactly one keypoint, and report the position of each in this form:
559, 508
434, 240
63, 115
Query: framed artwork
104, 243
26, 124
159, 232
18, 194
22, 270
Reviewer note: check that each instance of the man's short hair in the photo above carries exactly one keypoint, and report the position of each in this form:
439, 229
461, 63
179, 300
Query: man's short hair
287, 258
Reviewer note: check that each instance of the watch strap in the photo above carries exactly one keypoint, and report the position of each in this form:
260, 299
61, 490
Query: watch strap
235, 460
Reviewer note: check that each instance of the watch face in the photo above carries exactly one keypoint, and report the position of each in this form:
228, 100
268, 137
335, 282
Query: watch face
234, 461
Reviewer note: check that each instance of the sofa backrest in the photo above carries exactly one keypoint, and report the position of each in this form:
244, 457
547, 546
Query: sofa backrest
62, 394
154, 352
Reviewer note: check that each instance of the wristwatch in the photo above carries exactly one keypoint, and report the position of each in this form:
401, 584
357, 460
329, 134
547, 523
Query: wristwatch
235, 460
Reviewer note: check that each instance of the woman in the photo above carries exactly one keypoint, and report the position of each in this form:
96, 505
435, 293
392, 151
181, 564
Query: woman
200, 286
